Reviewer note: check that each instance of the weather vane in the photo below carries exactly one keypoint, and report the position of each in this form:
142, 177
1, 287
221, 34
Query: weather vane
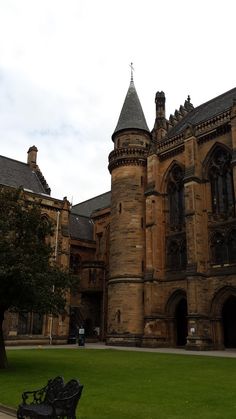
132, 71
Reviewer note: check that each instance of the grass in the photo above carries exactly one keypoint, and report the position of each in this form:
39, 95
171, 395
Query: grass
129, 385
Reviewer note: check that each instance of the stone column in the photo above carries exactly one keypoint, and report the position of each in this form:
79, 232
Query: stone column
154, 324
197, 244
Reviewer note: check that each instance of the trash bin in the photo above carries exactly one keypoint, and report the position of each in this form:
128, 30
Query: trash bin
81, 339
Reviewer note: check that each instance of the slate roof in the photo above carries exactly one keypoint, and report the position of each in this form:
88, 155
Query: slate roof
205, 111
80, 227
98, 202
131, 115
17, 174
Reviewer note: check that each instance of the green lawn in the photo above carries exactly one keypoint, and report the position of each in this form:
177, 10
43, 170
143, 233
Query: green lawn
129, 385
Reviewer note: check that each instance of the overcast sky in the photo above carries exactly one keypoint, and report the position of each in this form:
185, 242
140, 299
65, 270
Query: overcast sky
64, 74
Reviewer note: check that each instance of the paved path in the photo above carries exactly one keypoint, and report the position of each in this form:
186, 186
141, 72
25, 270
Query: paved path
6, 413
228, 353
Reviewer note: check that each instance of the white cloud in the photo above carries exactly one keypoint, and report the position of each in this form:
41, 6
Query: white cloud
64, 74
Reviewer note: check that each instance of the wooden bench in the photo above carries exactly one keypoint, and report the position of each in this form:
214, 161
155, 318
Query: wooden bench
55, 400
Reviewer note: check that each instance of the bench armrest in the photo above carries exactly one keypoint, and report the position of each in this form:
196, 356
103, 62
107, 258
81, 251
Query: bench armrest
35, 396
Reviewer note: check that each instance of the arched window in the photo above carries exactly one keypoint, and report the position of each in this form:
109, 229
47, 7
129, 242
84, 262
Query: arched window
176, 255
175, 192
221, 180
172, 255
44, 228
30, 323
219, 248
223, 247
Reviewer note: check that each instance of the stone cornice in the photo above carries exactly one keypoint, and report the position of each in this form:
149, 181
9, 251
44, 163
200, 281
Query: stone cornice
127, 157
125, 279
168, 143
223, 129
204, 131
213, 123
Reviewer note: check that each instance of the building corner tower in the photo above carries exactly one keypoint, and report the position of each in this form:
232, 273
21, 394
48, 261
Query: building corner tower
127, 165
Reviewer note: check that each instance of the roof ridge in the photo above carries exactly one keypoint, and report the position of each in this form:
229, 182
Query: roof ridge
213, 99
90, 199
203, 112
17, 161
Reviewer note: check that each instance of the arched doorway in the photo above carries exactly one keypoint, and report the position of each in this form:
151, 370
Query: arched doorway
229, 322
177, 312
181, 322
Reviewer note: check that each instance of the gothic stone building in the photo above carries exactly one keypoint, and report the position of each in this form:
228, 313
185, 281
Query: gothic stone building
31, 327
165, 253
156, 255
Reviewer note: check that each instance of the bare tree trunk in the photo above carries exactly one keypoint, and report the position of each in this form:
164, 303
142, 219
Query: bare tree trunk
3, 355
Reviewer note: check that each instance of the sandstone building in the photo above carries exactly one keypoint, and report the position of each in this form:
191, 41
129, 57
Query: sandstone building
26, 327
156, 255
166, 233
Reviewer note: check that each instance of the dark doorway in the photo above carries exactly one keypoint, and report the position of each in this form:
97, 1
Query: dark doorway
229, 322
181, 322
76, 321
91, 309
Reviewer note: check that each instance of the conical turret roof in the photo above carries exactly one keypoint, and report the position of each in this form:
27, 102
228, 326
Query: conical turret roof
131, 116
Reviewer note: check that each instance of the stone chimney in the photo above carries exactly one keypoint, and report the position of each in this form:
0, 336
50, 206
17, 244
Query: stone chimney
160, 126
160, 105
32, 157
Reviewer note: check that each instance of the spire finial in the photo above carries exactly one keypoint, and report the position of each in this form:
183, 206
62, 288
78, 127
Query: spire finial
132, 72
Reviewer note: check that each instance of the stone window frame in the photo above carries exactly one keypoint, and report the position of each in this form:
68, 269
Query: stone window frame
30, 323
220, 177
176, 253
223, 247
175, 198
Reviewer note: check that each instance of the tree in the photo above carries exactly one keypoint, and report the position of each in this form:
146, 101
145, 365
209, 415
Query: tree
29, 280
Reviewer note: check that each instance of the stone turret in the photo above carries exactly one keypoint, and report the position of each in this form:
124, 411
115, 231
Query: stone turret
127, 164
131, 118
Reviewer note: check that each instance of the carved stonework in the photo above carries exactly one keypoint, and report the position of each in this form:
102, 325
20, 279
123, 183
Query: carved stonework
127, 157
189, 131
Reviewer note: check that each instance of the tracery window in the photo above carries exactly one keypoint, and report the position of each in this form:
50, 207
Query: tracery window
218, 248
30, 323
175, 192
223, 247
221, 180
176, 254
173, 255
